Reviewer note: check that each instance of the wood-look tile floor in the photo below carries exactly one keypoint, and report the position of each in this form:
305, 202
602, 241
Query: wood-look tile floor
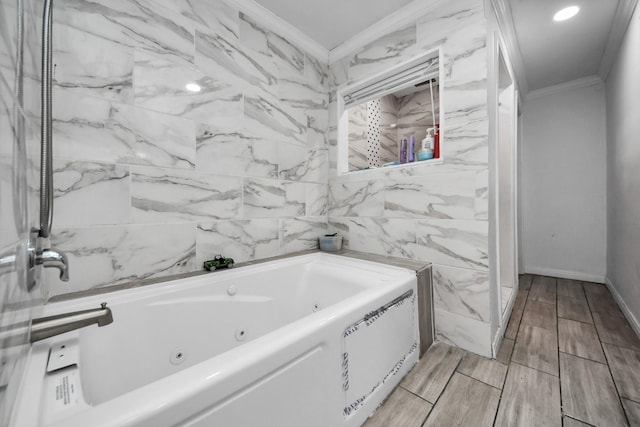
569, 358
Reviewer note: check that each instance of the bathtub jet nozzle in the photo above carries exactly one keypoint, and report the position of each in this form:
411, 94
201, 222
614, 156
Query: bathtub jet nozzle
47, 327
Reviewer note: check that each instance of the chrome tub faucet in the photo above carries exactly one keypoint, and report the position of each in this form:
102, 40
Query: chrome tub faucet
46, 327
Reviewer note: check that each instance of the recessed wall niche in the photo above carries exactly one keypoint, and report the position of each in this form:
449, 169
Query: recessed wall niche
380, 116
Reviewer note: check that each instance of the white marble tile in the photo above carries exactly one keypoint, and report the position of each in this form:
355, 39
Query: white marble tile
302, 164
265, 198
90, 194
455, 243
316, 73
363, 199
449, 17
108, 255
13, 173
317, 128
216, 15
444, 196
415, 114
268, 120
224, 152
87, 128
242, 240
301, 234
383, 236
227, 59
161, 85
298, 93
136, 23
104, 70
388, 50
469, 334
482, 195
288, 59
461, 291
12, 225
171, 195
467, 145
341, 226
339, 72
317, 199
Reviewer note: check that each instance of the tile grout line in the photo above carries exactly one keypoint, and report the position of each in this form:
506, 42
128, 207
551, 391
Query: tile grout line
515, 341
443, 389
583, 358
562, 414
480, 381
615, 385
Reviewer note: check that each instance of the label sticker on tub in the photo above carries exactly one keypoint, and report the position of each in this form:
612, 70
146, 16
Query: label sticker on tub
66, 391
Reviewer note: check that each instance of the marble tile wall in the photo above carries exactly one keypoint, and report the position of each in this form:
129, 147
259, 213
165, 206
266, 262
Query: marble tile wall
415, 115
19, 164
358, 137
432, 212
151, 178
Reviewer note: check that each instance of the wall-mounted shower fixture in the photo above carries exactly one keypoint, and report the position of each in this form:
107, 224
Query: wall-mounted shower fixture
37, 254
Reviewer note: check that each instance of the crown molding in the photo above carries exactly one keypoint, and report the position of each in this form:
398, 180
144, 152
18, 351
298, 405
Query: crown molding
504, 18
274, 23
621, 20
397, 20
573, 84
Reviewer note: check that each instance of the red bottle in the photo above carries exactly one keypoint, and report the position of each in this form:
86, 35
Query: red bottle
436, 142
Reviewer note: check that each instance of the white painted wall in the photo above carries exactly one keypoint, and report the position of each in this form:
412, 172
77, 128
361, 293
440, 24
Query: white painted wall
564, 181
623, 177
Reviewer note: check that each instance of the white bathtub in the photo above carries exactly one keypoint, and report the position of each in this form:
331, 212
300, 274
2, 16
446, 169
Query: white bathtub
282, 343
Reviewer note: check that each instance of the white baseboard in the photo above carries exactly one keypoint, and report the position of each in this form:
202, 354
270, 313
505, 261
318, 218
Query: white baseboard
564, 274
633, 320
499, 336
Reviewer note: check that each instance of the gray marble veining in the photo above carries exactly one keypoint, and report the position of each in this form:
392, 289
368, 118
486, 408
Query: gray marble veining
136, 23
161, 85
219, 56
391, 48
457, 243
105, 70
87, 128
114, 254
300, 234
242, 240
269, 198
450, 196
267, 120
168, 195
88, 193
461, 291
226, 152
356, 199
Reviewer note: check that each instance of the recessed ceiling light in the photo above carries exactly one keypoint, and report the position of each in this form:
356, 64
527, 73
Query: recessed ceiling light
193, 87
566, 13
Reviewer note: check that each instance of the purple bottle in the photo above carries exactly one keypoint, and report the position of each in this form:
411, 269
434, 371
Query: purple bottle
411, 157
403, 150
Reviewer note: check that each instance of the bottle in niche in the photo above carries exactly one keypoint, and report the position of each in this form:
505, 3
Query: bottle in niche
426, 150
403, 150
411, 155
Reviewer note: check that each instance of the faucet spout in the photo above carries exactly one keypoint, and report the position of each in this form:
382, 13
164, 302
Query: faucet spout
52, 258
46, 327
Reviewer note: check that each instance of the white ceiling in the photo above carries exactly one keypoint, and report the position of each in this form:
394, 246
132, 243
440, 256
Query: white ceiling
551, 52
332, 22
557, 52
